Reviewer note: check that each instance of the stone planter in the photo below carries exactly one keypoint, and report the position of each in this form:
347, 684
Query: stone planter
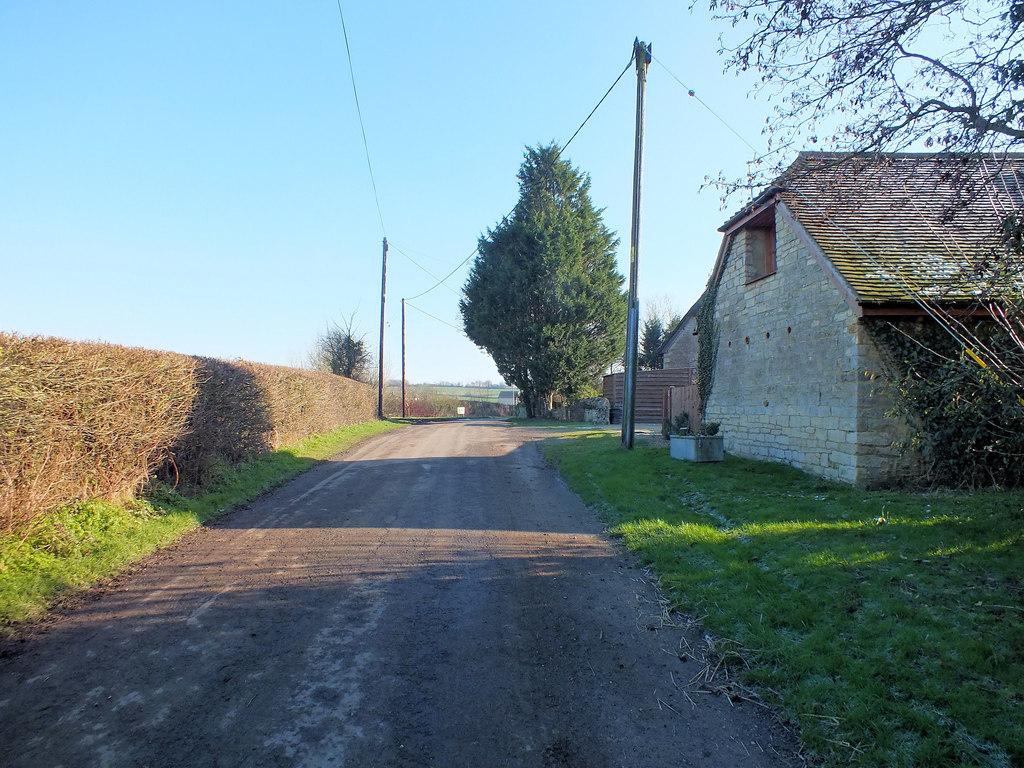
696, 447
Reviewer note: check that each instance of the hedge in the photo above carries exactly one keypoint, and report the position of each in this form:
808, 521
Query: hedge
82, 421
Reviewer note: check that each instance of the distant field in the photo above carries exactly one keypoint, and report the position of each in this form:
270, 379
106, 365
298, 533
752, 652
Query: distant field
502, 395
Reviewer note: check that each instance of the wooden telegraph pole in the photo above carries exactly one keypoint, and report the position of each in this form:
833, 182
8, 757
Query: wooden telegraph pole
380, 350
642, 54
403, 358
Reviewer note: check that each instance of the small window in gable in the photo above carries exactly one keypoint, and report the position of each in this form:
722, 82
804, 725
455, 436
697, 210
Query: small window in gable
760, 256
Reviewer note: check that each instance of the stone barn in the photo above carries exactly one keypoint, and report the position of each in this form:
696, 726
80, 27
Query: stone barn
679, 350
839, 243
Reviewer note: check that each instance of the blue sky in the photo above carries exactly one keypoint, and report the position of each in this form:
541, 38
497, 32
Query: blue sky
191, 176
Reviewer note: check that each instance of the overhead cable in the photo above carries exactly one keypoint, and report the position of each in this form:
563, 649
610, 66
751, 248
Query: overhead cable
628, 65
441, 282
421, 267
704, 104
359, 112
507, 215
435, 317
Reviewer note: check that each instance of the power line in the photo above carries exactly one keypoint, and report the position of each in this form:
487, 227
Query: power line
628, 65
359, 112
417, 264
441, 282
435, 317
507, 215
422, 255
704, 104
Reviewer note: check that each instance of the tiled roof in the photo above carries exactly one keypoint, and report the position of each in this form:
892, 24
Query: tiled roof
897, 224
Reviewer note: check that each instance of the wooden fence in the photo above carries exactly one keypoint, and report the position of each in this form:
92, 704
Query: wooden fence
651, 388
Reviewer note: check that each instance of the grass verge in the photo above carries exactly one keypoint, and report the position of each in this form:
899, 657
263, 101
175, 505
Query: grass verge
889, 625
83, 544
575, 426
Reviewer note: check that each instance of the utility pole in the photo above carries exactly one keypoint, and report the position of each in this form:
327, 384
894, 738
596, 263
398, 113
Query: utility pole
642, 54
380, 351
403, 358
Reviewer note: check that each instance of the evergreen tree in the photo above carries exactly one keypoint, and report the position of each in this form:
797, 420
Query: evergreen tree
543, 297
651, 339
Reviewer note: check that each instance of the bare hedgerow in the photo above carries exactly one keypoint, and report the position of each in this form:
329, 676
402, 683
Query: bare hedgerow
84, 421
244, 409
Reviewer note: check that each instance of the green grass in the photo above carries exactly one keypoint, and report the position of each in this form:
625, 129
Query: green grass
889, 625
85, 543
459, 392
572, 426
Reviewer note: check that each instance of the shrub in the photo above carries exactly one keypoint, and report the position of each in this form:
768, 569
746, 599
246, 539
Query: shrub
966, 424
243, 409
82, 421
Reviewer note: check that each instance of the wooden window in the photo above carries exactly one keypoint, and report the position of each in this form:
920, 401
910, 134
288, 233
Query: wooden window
760, 252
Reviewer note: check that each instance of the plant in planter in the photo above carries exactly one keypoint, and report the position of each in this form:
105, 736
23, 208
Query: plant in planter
703, 444
681, 426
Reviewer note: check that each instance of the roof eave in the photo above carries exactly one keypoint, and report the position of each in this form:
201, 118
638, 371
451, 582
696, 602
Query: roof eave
910, 308
675, 331
751, 210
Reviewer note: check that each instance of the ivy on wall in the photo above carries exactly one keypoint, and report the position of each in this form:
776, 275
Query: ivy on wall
966, 424
707, 343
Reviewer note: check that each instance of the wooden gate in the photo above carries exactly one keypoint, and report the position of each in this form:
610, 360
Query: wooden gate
679, 400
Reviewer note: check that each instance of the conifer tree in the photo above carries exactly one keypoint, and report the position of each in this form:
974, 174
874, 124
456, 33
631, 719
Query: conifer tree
543, 297
651, 339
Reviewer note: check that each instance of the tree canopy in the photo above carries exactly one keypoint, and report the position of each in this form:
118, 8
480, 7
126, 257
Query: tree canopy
660, 320
884, 75
651, 338
543, 296
341, 351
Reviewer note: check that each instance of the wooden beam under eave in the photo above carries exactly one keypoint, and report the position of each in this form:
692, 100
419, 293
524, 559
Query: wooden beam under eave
740, 221
892, 310
914, 310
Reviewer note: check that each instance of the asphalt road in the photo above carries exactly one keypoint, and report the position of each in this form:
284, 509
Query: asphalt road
435, 597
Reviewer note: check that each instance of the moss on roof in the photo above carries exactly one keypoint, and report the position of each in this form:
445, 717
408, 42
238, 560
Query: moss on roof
895, 225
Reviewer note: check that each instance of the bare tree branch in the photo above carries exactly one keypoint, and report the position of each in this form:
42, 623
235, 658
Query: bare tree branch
882, 75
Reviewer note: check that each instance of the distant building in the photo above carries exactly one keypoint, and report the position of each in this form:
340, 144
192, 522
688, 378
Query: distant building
679, 349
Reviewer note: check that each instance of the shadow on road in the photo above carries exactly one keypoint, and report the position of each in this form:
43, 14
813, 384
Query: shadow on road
437, 597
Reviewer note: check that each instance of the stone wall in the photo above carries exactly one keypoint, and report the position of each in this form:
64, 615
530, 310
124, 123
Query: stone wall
790, 383
682, 352
878, 462
591, 410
